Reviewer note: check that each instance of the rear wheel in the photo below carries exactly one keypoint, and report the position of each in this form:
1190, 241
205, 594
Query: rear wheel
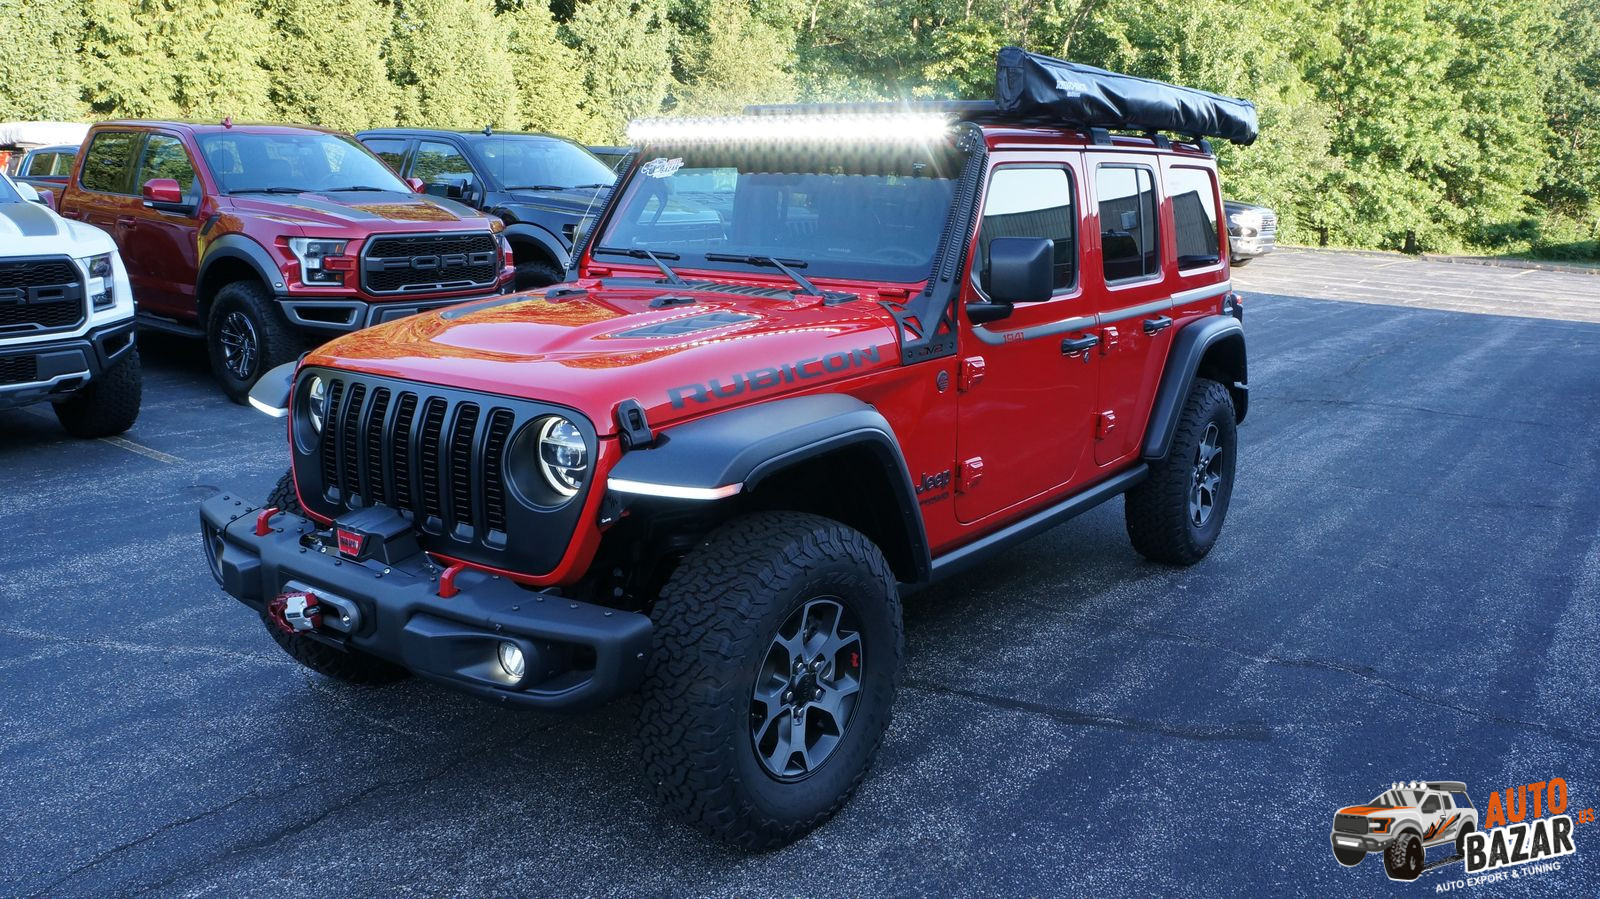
1461, 839
1175, 515
777, 647
246, 335
109, 405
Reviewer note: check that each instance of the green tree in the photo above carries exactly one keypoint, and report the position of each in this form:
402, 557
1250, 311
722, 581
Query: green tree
37, 59
548, 77
625, 52
739, 59
200, 59
1571, 184
453, 63
327, 63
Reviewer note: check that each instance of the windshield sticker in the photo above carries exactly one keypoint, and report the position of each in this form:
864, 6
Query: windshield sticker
661, 167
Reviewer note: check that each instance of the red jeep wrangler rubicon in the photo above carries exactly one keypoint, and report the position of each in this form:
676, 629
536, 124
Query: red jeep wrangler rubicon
267, 239
812, 358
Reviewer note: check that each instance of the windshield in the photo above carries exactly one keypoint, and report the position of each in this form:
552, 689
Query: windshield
1398, 798
7, 193
547, 162
873, 217
303, 161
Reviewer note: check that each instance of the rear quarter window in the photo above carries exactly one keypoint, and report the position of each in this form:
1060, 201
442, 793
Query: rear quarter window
1194, 216
108, 161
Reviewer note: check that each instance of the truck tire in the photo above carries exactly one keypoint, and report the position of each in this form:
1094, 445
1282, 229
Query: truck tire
109, 405
246, 334
1403, 859
537, 273
776, 626
1467, 827
349, 666
1175, 515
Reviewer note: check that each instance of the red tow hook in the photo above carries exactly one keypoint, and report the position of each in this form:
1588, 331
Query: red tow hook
447, 581
295, 612
262, 517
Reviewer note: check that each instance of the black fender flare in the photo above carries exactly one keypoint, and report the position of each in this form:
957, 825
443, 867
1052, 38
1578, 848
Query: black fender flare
729, 453
541, 236
1190, 348
239, 248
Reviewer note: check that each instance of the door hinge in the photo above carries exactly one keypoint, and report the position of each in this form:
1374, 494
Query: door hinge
971, 472
972, 369
1104, 424
1108, 340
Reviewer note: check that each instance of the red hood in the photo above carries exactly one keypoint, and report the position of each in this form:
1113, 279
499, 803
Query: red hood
593, 350
359, 212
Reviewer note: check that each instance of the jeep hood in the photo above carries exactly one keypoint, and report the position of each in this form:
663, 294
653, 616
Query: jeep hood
591, 349
365, 210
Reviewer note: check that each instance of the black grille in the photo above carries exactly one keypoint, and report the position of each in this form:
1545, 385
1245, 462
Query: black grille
367, 457
413, 263
39, 296
1350, 824
19, 369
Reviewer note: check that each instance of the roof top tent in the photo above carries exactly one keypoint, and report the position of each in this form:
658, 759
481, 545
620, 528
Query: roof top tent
16, 138
1031, 89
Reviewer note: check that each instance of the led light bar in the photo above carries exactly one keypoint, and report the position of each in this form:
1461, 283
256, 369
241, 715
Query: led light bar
908, 127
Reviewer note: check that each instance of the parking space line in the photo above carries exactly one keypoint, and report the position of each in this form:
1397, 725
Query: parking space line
123, 443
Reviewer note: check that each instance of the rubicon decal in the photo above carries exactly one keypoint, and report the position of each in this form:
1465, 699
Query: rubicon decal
767, 378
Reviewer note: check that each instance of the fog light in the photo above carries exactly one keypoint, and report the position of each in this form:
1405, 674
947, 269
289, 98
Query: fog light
511, 660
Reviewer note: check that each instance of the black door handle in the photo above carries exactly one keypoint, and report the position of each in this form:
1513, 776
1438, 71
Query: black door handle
1157, 325
1072, 347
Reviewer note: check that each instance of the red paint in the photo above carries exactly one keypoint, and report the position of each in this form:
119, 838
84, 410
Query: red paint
447, 580
349, 542
263, 528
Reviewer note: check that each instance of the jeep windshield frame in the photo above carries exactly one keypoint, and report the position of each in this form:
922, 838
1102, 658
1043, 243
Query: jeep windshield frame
244, 161
873, 214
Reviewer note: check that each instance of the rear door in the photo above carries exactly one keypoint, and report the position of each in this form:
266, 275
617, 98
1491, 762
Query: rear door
104, 195
392, 150
1024, 400
161, 247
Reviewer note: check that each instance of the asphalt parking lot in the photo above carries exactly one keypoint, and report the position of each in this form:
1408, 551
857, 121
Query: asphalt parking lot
1408, 587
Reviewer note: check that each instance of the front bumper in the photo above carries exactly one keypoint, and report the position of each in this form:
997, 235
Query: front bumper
1251, 247
58, 368
577, 654
1360, 841
341, 315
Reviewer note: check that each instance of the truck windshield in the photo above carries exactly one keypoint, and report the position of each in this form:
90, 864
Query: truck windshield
861, 217
288, 162
530, 161
7, 193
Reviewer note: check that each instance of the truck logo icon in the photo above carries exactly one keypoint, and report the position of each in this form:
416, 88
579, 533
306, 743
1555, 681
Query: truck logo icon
1402, 823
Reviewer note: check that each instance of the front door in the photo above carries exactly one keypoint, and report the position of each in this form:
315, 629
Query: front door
161, 248
1026, 385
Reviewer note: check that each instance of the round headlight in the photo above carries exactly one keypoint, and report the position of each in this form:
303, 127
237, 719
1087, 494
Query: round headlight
318, 396
563, 456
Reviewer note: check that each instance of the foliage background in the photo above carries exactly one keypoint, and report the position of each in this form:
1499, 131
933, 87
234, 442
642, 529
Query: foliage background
1447, 124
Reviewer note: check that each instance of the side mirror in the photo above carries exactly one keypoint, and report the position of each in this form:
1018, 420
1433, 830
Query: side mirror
165, 195
417, 186
1021, 269
47, 198
27, 191
270, 395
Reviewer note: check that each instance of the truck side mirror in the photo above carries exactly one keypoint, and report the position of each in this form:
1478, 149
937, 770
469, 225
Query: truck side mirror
165, 195
1021, 269
27, 191
417, 185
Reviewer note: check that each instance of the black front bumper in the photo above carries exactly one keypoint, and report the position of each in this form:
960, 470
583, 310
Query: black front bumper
577, 654
61, 367
342, 315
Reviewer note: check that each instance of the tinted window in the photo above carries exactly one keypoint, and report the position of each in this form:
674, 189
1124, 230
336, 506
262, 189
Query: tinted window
1430, 805
46, 164
1029, 202
528, 161
164, 157
391, 150
437, 163
110, 157
243, 161
1194, 216
1128, 244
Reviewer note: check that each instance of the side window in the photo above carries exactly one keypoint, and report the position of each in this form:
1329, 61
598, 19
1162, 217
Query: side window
1430, 805
438, 163
1194, 216
1446, 801
1128, 235
392, 150
164, 157
1031, 202
42, 164
110, 157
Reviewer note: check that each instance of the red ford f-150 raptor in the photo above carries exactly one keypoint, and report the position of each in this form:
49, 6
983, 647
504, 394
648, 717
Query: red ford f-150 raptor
812, 358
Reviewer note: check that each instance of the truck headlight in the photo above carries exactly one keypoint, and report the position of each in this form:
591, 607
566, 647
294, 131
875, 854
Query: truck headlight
312, 252
1379, 825
104, 294
317, 402
563, 456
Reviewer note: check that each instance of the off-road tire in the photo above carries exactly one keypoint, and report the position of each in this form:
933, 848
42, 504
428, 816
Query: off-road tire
537, 273
276, 340
1157, 511
351, 667
1461, 838
715, 621
1403, 859
1348, 857
109, 405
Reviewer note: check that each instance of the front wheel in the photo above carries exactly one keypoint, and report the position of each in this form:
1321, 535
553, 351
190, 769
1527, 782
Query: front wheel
1403, 859
770, 688
1175, 515
246, 335
109, 405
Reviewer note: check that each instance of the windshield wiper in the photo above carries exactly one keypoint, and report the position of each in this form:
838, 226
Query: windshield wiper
354, 187
641, 253
782, 265
591, 186
271, 190
537, 187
